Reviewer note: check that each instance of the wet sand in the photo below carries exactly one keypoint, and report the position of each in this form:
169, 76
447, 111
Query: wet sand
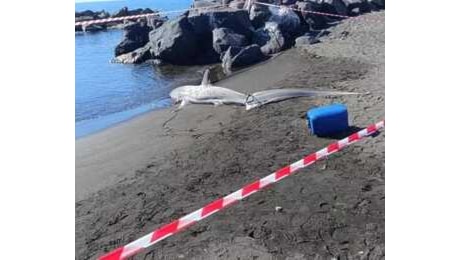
139, 175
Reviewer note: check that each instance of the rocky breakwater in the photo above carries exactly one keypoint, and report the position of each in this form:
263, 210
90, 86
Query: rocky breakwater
235, 37
89, 15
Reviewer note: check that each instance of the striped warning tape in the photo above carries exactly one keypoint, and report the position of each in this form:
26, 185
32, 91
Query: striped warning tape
113, 19
219, 204
304, 11
122, 18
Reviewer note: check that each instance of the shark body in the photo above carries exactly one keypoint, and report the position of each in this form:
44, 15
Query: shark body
206, 93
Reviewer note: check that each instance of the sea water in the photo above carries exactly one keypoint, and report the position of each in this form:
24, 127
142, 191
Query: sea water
108, 93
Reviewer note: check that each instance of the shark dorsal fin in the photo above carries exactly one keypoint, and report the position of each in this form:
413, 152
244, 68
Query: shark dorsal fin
205, 81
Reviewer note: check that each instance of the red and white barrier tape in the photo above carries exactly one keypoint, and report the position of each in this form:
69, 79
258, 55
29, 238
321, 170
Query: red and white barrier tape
122, 18
219, 204
113, 19
304, 11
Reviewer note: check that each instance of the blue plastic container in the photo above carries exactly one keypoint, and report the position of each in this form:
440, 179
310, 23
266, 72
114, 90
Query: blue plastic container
328, 120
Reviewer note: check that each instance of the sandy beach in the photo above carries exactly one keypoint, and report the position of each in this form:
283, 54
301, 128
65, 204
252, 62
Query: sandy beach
155, 168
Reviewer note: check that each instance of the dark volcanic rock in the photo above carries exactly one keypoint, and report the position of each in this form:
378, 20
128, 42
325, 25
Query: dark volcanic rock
137, 56
314, 22
126, 12
147, 11
287, 20
346, 7
248, 56
102, 15
206, 3
140, 11
288, 2
136, 35
223, 38
203, 25
212, 35
239, 57
95, 27
137, 31
122, 12
126, 46
259, 14
377, 4
236, 20
356, 7
330, 6
270, 38
175, 42
207, 56
87, 13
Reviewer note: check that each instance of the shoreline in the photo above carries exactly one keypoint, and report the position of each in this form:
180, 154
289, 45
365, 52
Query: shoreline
151, 110
93, 126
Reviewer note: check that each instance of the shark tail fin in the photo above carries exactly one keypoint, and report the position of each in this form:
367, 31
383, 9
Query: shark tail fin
274, 95
205, 81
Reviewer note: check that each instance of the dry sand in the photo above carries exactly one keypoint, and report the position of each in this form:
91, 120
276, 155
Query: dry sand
137, 176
